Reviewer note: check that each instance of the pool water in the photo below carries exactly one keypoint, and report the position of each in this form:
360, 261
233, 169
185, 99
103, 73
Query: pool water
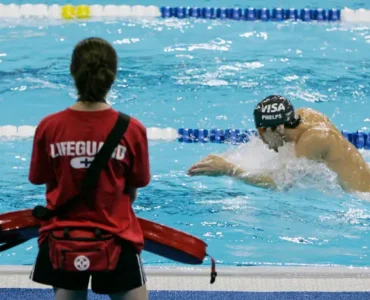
186, 73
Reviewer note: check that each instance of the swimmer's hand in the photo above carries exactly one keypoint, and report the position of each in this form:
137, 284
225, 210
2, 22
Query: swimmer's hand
212, 165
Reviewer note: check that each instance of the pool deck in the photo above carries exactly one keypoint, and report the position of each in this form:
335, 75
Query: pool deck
246, 279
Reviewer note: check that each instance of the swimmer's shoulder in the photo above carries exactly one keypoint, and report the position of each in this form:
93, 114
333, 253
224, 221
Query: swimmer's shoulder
321, 138
313, 117
301, 110
306, 112
318, 133
316, 141
325, 132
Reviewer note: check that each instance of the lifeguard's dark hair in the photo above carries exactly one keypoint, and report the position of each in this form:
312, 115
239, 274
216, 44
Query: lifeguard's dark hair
94, 69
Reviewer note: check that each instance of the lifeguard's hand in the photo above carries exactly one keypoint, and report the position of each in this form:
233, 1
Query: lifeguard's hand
212, 165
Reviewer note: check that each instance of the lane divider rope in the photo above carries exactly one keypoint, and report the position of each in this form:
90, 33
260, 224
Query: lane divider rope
83, 11
360, 139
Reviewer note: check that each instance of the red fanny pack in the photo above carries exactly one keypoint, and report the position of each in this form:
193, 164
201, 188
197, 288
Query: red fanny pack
76, 249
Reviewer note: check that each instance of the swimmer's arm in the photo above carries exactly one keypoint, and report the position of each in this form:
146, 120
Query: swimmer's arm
215, 165
258, 180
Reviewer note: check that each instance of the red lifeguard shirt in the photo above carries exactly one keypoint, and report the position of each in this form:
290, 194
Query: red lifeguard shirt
63, 147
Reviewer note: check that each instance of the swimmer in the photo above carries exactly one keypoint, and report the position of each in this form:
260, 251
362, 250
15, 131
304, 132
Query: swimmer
314, 137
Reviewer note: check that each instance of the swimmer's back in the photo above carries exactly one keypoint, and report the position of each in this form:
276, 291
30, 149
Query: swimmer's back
340, 155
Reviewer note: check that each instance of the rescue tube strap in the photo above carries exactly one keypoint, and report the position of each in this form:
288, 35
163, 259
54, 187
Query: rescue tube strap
213, 269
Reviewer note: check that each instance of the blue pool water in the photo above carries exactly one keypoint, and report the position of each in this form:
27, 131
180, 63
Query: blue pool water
185, 73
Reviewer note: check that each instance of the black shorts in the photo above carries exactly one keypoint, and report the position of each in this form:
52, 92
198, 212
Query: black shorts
128, 275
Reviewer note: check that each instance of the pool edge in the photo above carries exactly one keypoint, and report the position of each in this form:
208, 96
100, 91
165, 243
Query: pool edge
251, 279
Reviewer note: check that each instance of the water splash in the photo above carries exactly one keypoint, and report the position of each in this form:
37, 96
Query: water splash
288, 171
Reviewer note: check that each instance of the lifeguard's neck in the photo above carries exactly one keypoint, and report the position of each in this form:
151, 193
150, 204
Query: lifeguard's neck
90, 106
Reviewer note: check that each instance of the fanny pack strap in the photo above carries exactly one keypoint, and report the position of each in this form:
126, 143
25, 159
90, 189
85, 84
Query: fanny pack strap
92, 174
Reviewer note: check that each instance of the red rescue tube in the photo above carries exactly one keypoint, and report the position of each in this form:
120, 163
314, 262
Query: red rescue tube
20, 226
